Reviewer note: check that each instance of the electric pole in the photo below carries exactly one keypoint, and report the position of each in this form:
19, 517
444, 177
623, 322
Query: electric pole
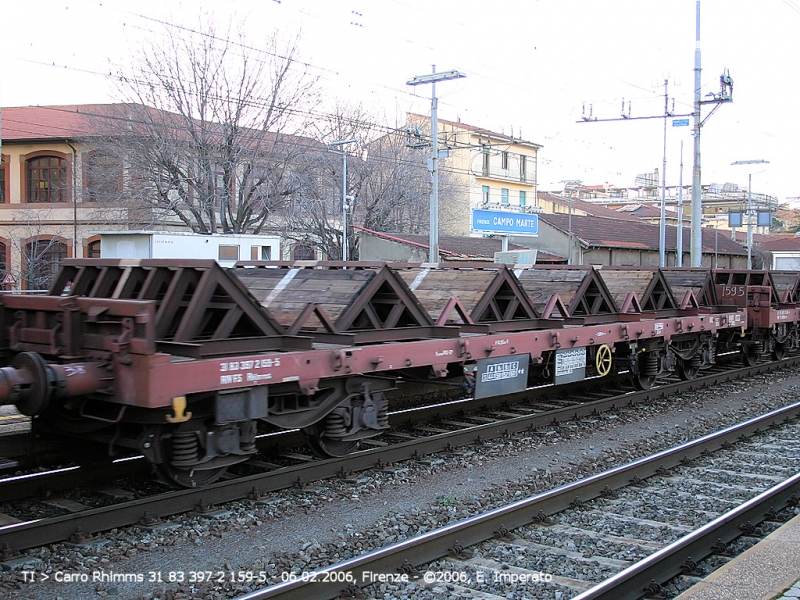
662, 229
725, 95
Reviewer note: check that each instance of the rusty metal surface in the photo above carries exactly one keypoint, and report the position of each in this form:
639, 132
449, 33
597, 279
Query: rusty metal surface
341, 305
196, 301
172, 328
648, 286
487, 296
38, 533
581, 288
698, 281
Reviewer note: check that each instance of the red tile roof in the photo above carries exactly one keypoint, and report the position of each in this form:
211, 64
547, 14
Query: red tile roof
785, 244
635, 234
588, 207
51, 122
459, 247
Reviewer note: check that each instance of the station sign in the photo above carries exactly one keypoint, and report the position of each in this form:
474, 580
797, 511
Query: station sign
680, 122
570, 365
501, 375
503, 222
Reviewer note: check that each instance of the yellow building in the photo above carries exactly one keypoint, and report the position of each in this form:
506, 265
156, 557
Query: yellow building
488, 170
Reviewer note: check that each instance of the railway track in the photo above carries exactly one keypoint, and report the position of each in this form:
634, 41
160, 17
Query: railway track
61, 517
646, 529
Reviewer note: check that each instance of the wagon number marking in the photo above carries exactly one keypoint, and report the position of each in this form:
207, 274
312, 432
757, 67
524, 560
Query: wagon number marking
733, 290
246, 365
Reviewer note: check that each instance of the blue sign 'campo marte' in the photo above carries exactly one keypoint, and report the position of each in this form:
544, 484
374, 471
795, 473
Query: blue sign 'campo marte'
495, 221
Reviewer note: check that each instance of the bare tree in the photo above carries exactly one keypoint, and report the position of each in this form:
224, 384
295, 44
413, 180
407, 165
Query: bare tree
39, 244
210, 132
387, 179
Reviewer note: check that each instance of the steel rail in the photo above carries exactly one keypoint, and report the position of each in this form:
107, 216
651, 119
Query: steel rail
438, 543
671, 560
35, 533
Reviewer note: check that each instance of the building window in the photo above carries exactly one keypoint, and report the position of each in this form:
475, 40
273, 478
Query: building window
260, 253
303, 252
504, 160
93, 249
522, 198
485, 194
522, 167
504, 196
47, 179
3, 179
42, 259
228, 252
3, 265
485, 161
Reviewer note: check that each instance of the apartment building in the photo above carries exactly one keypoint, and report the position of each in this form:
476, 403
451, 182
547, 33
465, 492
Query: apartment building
485, 169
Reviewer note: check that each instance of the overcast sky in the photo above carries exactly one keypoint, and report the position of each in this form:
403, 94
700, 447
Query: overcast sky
531, 65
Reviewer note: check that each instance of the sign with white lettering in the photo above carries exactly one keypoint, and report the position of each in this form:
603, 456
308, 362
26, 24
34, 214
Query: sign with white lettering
495, 221
570, 365
501, 375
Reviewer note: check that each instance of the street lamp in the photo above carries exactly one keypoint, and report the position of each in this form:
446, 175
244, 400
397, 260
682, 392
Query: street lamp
750, 206
576, 183
432, 78
344, 191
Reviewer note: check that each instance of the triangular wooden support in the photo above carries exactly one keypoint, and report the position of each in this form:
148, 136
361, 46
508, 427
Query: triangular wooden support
630, 305
200, 307
658, 296
454, 305
592, 298
312, 308
699, 280
555, 308
504, 300
689, 301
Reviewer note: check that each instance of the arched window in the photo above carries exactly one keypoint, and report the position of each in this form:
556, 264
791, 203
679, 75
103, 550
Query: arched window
4, 178
42, 258
93, 249
47, 179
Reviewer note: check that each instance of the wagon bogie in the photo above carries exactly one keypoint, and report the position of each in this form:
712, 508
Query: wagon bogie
184, 361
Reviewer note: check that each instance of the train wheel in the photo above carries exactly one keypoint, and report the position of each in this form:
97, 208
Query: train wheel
647, 371
189, 478
643, 382
326, 447
778, 352
749, 355
688, 369
178, 447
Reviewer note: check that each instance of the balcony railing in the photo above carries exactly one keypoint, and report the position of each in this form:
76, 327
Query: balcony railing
494, 205
512, 174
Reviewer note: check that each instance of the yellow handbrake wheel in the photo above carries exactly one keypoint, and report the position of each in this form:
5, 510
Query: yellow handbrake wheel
603, 360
